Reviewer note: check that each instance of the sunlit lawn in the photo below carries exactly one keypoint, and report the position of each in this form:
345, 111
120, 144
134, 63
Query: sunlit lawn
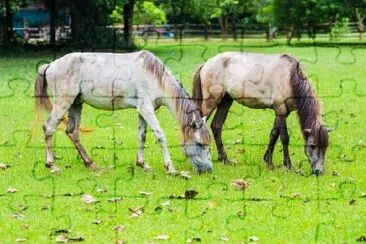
277, 207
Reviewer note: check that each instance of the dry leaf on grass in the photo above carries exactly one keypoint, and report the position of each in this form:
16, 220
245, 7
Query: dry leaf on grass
65, 239
194, 239
240, 184
115, 199
4, 166
144, 193
161, 237
12, 190
88, 199
253, 239
119, 228
97, 222
224, 238
136, 212
20, 240
185, 175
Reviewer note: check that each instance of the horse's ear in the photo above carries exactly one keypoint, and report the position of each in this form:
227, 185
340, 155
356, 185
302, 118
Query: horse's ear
204, 118
330, 129
307, 131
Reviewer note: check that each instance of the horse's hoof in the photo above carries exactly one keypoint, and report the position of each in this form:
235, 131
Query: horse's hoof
172, 170
91, 166
145, 166
270, 166
231, 162
55, 170
173, 173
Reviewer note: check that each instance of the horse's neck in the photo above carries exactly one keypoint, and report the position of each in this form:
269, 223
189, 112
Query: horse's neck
308, 110
176, 99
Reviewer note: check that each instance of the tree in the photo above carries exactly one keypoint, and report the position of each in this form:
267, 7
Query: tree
148, 13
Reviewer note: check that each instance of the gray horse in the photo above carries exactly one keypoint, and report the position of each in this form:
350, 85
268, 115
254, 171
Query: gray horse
119, 81
262, 81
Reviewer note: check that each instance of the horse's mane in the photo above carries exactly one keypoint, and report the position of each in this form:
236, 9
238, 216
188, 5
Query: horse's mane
306, 102
186, 110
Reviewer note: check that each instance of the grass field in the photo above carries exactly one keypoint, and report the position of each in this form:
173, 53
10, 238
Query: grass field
277, 207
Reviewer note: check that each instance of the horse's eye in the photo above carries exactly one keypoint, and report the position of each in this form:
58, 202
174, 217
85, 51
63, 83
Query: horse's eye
312, 146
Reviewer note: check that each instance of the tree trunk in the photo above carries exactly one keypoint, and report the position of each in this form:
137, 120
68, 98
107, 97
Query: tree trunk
128, 21
52, 17
9, 34
224, 26
74, 25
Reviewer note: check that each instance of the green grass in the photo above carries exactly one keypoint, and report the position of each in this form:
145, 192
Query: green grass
278, 206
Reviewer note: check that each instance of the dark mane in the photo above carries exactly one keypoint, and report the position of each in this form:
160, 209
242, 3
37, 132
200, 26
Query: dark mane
185, 109
306, 102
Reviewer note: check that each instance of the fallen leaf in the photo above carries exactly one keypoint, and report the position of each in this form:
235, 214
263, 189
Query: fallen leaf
185, 175
224, 238
65, 239
20, 240
144, 193
136, 212
166, 203
363, 194
97, 222
240, 214
211, 204
58, 231
4, 166
332, 184
115, 199
296, 195
62, 239
12, 190
120, 242
190, 194
101, 190
361, 239
119, 228
45, 207
194, 239
161, 237
240, 184
88, 199
18, 216
253, 239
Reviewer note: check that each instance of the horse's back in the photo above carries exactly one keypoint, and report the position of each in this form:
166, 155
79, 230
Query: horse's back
103, 80
252, 79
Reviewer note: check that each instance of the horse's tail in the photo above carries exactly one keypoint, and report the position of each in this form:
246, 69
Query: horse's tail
197, 88
43, 101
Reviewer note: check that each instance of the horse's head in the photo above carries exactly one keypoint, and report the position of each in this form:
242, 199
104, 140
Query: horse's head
196, 143
316, 146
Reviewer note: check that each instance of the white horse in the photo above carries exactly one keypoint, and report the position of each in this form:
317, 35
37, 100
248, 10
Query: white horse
119, 81
262, 81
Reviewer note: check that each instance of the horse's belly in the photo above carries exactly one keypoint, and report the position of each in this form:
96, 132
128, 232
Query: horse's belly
109, 103
252, 98
255, 102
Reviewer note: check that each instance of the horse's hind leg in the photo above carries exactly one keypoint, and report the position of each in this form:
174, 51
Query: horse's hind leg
141, 136
217, 124
273, 137
49, 127
72, 131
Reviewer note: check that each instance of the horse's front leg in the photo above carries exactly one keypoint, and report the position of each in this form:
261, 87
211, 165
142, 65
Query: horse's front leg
141, 136
147, 112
